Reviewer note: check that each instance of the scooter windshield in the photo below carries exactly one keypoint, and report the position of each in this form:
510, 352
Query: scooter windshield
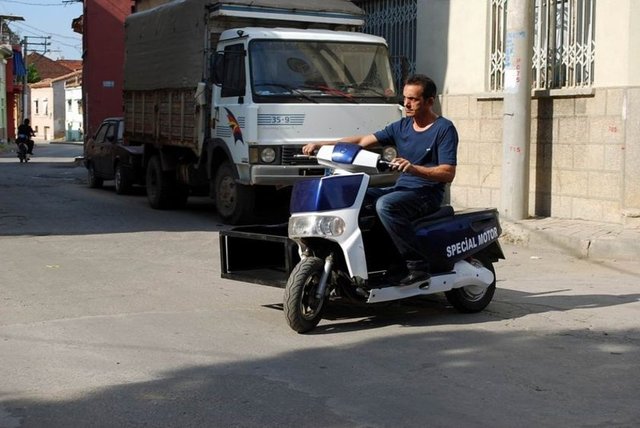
325, 194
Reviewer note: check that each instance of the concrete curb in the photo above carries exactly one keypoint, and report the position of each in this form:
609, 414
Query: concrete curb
575, 237
79, 143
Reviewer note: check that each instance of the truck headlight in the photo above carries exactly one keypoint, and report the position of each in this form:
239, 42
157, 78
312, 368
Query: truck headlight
268, 155
315, 225
262, 155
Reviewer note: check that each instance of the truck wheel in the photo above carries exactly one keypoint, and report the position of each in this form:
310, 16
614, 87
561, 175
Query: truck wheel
122, 181
301, 307
159, 185
472, 298
234, 201
92, 180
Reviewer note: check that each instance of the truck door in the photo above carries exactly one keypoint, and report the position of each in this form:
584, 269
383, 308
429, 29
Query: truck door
233, 110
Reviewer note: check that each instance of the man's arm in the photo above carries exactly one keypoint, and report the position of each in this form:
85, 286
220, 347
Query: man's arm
444, 173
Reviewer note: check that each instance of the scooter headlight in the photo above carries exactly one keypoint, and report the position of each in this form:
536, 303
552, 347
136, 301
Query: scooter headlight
303, 226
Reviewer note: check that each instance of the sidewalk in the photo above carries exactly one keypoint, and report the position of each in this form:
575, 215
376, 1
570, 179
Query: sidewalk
63, 142
585, 239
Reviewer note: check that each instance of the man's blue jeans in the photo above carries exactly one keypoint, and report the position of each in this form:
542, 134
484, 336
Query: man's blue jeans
397, 208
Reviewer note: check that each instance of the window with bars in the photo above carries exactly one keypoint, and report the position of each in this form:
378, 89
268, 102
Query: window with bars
563, 44
396, 21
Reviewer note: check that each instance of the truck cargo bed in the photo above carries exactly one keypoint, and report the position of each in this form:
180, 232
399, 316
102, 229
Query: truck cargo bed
259, 254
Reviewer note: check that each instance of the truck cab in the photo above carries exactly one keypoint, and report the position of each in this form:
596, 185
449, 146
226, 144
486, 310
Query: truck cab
279, 89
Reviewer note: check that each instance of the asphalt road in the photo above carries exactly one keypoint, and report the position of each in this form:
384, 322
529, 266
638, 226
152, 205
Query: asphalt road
114, 315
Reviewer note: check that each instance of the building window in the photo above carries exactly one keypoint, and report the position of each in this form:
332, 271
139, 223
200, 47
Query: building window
69, 106
563, 44
36, 108
396, 21
79, 106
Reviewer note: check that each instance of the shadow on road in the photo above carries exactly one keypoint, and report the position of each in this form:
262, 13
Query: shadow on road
49, 196
554, 380
420, 311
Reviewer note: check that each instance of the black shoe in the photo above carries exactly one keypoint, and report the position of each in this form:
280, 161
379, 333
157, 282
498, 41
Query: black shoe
415, 276
396, 272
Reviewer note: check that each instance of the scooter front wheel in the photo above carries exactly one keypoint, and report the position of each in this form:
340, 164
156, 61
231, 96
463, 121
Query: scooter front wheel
302, 308
472, 298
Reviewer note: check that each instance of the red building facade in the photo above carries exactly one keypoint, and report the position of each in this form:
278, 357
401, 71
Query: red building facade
102, 29
14, 93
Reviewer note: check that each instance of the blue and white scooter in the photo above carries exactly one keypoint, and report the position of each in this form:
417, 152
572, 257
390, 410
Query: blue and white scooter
345, 251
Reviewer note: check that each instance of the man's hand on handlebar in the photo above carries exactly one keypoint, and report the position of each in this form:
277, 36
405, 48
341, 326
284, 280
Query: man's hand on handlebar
310, 149
400, 164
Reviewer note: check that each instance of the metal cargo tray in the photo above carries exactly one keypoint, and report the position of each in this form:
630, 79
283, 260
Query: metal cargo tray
258, 254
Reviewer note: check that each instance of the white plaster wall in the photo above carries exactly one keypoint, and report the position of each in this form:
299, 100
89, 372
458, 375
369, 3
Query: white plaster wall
59, 109
73, 117
452, 44
617, 40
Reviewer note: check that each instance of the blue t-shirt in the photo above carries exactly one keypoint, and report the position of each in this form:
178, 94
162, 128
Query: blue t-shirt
435, 146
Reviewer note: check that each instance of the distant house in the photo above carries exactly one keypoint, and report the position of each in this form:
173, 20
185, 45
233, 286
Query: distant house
47, 116
46, 103
50, 99
73, 107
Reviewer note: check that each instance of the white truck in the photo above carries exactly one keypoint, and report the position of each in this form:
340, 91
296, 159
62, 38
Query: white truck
222, 95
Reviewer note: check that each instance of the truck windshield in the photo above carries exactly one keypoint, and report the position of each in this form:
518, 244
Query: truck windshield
308, 71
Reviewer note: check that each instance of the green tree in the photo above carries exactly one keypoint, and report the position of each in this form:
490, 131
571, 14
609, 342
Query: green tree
32, 74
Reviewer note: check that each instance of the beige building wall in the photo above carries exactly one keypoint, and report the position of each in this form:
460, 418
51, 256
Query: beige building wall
585, 145
42, 106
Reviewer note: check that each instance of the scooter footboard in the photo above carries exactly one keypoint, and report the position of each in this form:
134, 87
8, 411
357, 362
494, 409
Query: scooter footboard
464, 275
258, 254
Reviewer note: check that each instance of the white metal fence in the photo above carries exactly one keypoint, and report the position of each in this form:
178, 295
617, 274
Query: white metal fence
563, 47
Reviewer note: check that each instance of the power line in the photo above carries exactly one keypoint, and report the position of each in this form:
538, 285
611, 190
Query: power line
33, 4
46, 32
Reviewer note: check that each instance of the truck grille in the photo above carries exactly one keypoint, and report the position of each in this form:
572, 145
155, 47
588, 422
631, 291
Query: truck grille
288, 158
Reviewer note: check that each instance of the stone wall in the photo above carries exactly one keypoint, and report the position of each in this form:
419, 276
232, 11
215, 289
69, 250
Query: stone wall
584, 155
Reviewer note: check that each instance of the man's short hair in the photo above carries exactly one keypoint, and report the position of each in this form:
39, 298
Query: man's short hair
428, 86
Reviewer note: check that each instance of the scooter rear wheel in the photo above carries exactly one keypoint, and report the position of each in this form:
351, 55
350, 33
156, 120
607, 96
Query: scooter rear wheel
472, 298
302, 308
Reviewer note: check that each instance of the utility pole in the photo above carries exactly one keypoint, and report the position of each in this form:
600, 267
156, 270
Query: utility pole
517, 110
44, 42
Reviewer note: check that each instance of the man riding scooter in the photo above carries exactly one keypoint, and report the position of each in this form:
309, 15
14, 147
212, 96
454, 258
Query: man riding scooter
427, 156
25, 132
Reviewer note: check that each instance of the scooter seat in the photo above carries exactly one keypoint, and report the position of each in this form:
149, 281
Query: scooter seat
442, 212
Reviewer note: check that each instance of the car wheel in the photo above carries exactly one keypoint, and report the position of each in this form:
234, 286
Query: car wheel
92, 180
122, 181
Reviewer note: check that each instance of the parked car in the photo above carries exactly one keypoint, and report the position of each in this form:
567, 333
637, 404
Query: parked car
107, 157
